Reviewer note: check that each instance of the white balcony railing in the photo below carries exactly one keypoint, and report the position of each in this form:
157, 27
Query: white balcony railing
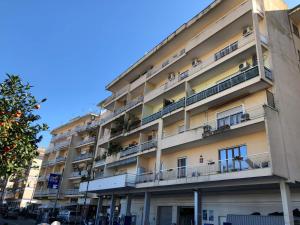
105, 183
241, 163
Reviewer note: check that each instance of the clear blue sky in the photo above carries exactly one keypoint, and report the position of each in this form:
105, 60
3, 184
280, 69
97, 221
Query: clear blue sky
70, 49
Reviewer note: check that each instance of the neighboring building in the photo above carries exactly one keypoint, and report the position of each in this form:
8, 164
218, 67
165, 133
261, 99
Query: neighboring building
203, 126
70, 154
19, 191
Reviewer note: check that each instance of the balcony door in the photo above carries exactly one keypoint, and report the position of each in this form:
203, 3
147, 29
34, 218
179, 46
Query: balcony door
181, 167
233, 159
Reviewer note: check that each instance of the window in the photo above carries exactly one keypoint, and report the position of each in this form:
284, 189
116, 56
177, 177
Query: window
295, 30
232, 159
181, 165
230, 117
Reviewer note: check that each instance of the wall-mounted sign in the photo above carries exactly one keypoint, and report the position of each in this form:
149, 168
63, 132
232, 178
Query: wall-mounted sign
53, 182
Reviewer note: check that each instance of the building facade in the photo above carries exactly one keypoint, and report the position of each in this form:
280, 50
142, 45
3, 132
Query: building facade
19, 191
70, 155
204, 127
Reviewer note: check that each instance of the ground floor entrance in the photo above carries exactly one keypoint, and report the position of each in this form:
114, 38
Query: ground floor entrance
186, 216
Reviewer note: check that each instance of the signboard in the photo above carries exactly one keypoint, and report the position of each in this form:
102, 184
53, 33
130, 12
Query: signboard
53, 182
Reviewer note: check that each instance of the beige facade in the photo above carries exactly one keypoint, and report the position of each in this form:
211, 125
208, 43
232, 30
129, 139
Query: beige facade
70, 155
20, 191
211, 111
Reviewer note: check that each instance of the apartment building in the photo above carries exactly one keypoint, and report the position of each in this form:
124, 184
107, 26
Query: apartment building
20, 190
70, 155
205, 126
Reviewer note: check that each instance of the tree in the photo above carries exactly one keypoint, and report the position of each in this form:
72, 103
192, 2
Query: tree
19, 127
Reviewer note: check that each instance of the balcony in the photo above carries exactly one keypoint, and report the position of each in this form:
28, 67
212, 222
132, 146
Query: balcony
131, 104
229, 83
48, 163
109, 183
72, 192
78, 174
88, 126
105, 138
83, 157
99, 162
166, 63
113, 97
253, 118
60, 159
88, 141
46, 193
166, 110
138, 148
235, 168
140, 81
61, 145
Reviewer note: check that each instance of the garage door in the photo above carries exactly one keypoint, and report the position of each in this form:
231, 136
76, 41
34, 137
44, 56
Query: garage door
164, 215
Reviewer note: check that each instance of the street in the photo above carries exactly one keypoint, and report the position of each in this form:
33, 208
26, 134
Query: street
19, 221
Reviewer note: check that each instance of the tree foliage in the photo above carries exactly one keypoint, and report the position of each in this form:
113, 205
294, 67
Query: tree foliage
19, 126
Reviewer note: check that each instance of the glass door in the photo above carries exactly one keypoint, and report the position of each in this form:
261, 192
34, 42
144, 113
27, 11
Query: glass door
181, 165
233, 159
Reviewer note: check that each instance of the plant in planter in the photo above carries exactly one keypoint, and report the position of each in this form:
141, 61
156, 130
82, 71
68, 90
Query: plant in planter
113, 148
119, 126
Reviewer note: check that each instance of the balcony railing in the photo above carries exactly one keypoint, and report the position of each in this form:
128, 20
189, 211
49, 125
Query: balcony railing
87, 141
106, 183
216, 126
168, 109
229, 83
174, 106
138, 148
166, 63
71, 192
130, 150
60, 159
83, 157
240, 163
78, 174
45, 192
61, 145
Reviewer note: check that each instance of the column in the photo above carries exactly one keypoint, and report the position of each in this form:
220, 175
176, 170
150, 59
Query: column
197, 208
174, 214
128, 205
112, 209
146, 209
99, 209
286, 203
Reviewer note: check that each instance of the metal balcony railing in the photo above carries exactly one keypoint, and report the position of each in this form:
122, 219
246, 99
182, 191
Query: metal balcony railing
138, 148
61, 145
79, 174
71, 192
83, 157
174, 106
168, 109
231, 82
240, 163
60, 159
90, 140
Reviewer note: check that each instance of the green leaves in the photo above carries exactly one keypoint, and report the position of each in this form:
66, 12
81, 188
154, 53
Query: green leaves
19, 126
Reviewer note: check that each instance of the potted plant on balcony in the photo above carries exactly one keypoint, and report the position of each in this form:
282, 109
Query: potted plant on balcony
113, 148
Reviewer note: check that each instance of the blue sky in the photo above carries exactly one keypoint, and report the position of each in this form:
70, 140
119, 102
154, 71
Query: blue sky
70, 49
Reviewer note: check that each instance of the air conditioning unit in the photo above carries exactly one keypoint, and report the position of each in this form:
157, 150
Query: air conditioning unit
196, 62
247, 31
171, 76
243, 66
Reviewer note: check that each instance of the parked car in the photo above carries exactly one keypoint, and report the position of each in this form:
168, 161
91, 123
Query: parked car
67, 216
11, 213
